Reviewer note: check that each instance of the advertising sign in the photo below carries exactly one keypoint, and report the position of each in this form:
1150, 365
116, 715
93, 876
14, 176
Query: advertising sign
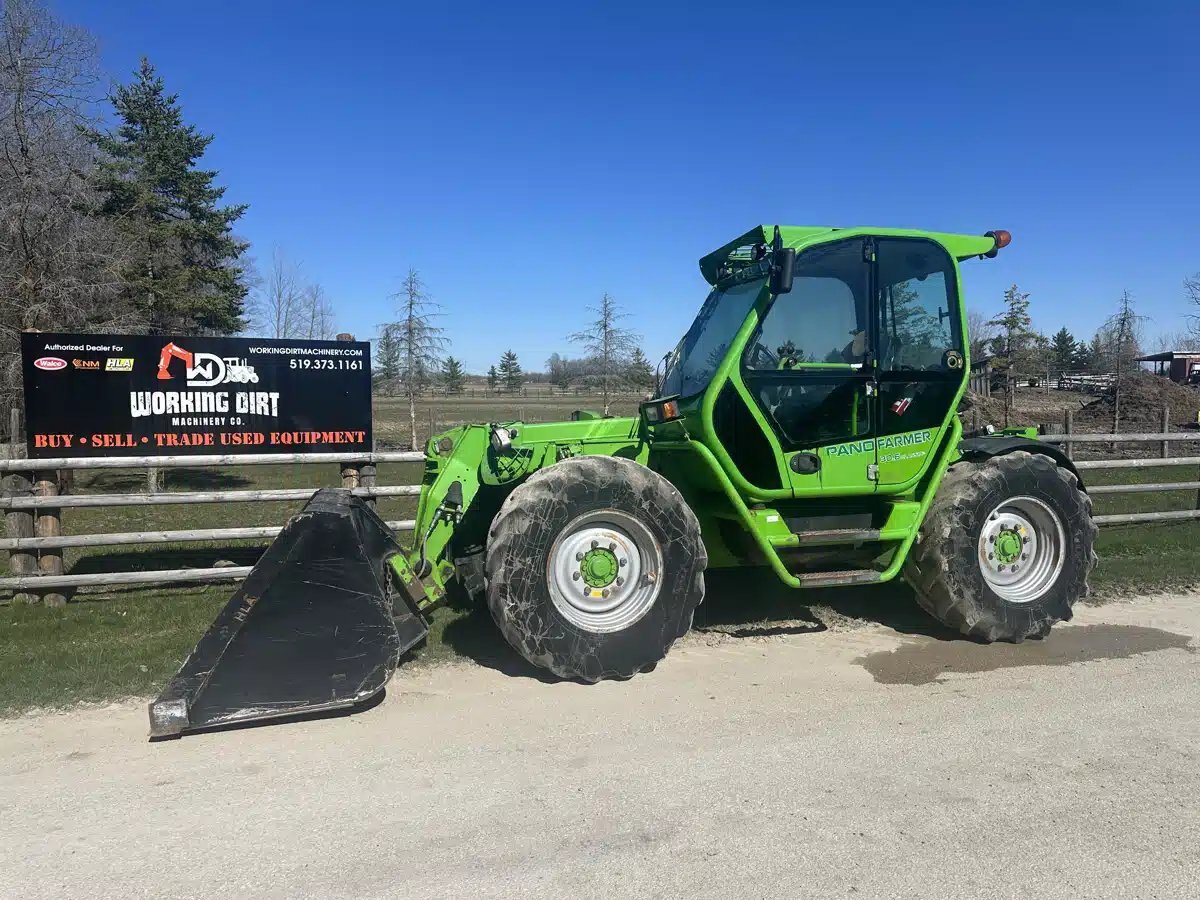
150, 395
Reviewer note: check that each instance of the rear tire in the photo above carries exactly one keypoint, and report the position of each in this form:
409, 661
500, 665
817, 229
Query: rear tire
595, 567
1018, 510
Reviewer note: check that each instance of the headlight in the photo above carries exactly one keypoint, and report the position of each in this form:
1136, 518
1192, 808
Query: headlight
502, 438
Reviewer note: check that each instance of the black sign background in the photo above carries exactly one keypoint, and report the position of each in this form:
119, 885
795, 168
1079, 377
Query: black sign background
101, 395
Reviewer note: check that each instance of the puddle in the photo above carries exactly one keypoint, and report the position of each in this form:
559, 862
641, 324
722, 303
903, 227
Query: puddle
927, 661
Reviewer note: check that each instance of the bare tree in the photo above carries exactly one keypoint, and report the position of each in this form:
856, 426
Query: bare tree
608, 343
58, 266
1184, 339
317, 314
419, 340
284, 305
1124, 326
1191, 288
275, 304
980, 332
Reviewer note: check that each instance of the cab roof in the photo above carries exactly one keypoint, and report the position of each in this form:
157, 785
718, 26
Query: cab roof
960, 246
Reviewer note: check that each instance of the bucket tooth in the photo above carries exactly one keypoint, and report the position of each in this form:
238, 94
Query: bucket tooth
314, 626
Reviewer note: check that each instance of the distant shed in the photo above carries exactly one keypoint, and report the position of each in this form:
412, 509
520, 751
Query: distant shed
1178, 365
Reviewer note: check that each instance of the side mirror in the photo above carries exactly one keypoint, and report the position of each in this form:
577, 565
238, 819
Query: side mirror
783, 264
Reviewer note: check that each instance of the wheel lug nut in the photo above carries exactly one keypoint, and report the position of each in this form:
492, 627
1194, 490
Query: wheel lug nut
1014, 568
991, 556
624, 562
1024, 556
620, 581
575, 575
595, 544
604, 593
612, 547
992, 538
578, 557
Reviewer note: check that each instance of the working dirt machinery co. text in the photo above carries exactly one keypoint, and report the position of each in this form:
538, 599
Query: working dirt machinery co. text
806, 422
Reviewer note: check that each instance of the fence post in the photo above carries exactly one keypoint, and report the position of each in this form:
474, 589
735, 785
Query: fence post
48, 523
19, 524
350, 476
1166, 426
1068, 422
366, 479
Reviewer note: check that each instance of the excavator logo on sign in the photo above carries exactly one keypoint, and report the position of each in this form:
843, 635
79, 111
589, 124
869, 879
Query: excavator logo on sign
205, 369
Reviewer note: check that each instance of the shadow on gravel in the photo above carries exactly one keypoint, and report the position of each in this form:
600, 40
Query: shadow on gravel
475, 636
752, 602
744, 603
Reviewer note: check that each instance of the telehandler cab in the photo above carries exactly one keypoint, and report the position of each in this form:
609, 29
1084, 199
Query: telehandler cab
806, 422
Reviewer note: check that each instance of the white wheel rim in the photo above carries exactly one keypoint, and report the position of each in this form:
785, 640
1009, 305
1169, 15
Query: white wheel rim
604, 571
1022, 549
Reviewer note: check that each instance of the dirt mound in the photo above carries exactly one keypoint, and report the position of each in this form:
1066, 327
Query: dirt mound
1143, 397
977, 410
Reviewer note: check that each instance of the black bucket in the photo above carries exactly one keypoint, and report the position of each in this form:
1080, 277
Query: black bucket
311, 629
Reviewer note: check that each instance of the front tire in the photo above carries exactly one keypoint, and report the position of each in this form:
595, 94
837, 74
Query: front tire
1006, 549
595, 567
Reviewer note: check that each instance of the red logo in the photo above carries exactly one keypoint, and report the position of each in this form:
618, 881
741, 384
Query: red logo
169, 352
50, 363
900, 407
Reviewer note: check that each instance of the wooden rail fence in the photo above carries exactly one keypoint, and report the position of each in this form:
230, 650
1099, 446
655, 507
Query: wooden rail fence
31, 502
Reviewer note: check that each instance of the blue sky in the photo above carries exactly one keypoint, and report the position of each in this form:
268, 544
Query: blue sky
527, 157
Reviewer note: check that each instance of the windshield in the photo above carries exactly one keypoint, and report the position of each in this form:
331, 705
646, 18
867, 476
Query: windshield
697, 356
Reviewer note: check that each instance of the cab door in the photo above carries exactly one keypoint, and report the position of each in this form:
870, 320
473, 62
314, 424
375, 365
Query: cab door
920, 359
808, 369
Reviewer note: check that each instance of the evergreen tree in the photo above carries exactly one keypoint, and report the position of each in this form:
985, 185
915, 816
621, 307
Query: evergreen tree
184, 270
453, 376
640, 372
419, 340
1064, 350
493, 378
1081, 357
1015, 343
387, 358
510, 372
608, 344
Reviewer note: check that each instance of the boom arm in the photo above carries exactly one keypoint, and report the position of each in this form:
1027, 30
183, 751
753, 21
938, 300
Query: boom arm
169, 352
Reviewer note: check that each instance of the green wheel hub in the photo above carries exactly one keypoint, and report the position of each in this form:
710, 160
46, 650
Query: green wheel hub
1008, 546
1022, 548
599, 567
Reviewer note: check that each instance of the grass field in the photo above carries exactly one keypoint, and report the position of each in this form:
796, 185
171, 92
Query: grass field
111, 643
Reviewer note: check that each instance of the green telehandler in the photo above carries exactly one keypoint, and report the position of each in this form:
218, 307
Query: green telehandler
805, 422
